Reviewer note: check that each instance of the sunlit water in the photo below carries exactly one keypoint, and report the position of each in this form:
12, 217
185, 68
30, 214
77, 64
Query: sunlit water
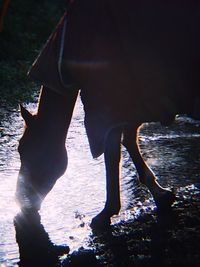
172, 152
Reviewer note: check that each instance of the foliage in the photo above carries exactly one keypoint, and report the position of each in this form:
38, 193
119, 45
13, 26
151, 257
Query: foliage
27, 26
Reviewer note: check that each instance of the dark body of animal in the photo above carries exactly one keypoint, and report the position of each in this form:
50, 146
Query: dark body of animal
3, 12
135, 62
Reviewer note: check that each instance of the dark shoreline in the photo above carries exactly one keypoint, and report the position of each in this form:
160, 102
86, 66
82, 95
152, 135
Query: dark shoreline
167, 239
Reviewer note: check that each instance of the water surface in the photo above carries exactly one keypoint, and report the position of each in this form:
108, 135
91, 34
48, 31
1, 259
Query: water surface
172, 152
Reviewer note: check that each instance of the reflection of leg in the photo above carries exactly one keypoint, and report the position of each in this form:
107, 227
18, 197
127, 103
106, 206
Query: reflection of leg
35, 247
112, 158
163, 197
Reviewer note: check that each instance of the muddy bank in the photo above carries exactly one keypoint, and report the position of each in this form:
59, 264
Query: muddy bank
168, 239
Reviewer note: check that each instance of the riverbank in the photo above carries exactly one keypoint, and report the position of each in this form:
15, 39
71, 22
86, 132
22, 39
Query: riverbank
170, 239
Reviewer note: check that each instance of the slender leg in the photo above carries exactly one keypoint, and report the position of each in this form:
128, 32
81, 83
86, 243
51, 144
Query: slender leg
112, 156
112, 159
163, 197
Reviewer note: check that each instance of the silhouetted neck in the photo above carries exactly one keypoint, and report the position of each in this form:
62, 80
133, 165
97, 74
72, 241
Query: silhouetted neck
55, 110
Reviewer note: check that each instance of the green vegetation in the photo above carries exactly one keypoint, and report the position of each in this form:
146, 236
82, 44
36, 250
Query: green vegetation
27, 27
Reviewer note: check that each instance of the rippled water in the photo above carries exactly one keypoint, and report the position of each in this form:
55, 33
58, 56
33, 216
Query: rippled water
172, 152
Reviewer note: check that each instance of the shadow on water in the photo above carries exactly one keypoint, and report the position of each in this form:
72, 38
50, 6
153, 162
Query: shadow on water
35, 247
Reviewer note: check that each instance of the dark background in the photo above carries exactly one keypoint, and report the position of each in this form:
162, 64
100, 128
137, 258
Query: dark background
27, 26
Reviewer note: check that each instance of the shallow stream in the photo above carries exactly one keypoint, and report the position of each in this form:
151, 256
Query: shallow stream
172, 152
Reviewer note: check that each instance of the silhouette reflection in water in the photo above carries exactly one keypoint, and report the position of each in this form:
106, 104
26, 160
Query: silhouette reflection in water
35, 247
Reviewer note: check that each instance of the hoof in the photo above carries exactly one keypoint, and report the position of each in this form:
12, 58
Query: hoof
165, 200
101, 222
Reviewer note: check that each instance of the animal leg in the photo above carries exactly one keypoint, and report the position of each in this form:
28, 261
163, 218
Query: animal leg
112, 157
164, 198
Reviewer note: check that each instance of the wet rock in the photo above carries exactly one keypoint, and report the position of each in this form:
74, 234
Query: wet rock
82, 257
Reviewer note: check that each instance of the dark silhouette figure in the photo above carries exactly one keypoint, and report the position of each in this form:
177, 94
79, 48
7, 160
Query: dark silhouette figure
135, 62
